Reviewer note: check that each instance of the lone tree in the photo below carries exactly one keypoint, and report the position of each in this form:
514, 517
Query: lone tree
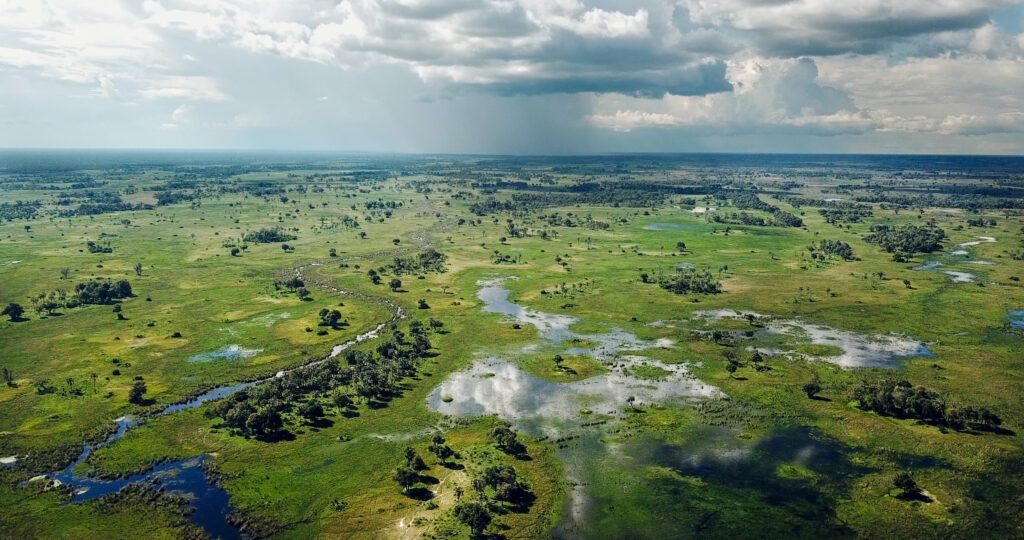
507, 440
731, 367
473, 515
135, 395
138, 269
812, 389
906, 483
395, 284
14, 311
406, 478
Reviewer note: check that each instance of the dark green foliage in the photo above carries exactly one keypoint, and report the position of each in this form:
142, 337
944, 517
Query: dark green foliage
102, 292
427, 261
441, 450
330, 317
135, 395
835, 248
899, 398
311, 410
906, 239
503, 479
834, 212
474, 515
907, 485
268, 235
507, 440
13, 311
812, 389
746, 200
687, 281
414, 461
93, 247
265, 422
406, 477
367, 374
19, 210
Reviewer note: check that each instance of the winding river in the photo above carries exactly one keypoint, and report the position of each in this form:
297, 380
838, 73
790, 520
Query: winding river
187, 477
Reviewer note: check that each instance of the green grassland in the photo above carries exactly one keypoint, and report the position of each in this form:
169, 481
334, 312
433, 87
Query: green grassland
334, 479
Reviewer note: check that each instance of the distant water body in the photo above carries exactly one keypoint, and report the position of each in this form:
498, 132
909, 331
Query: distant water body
57, 160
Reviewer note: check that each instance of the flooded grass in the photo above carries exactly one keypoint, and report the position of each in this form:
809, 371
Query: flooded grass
855, 350
227, 352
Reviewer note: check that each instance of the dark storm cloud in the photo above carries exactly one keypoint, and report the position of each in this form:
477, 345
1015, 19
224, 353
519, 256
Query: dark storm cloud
791, 28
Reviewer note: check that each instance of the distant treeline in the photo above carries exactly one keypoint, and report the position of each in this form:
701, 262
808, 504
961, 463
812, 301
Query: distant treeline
19, 210
747, 200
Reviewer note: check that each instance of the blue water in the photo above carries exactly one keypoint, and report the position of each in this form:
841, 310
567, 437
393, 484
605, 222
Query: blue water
1016, 318
211, 504
229, 352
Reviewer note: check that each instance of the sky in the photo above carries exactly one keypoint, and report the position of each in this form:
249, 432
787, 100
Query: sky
515, 76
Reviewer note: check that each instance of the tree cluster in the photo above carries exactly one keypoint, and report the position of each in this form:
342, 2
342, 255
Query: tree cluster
268, 235
898, 398
907, 239
430, 260
833, 248
686, 281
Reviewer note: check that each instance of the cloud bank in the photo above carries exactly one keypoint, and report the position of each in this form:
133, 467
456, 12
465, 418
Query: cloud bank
603, 74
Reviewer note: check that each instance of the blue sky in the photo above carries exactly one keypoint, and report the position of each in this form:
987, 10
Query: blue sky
515, 76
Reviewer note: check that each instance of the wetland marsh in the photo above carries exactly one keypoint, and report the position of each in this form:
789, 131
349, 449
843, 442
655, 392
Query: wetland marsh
360, 347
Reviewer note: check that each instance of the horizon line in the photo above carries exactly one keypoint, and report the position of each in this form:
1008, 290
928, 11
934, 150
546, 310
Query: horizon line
481, 154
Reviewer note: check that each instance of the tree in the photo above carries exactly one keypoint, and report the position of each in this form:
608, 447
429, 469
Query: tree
906, 483
414, 461
681, 246
406, 478
138, 269
9, 377
311, 410
811, 389
330, 317
303, 293
264, 422
235, 252
731, 367
14, 311
423, 304
342, 400
480, 487
135, 395
395, 284
441, 450
506, 440
474, 516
